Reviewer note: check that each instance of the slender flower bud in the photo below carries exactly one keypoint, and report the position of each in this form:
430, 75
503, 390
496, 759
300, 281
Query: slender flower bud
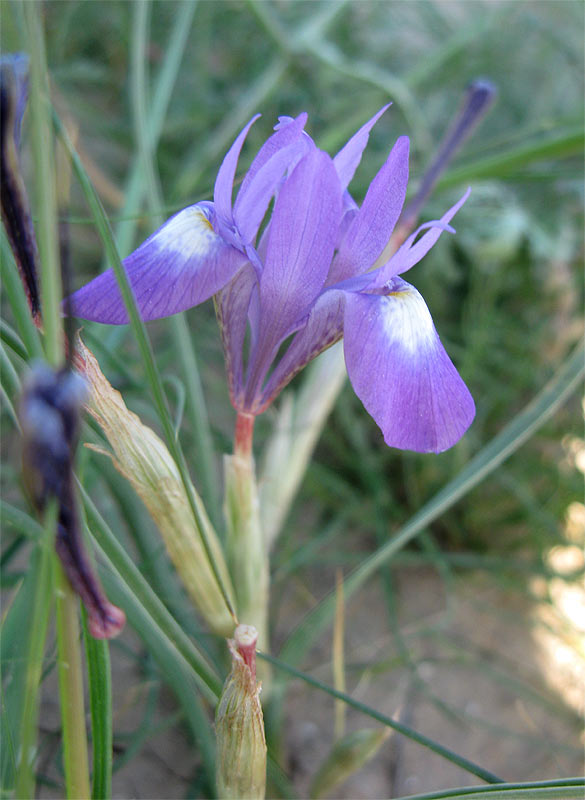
478, 99
144, 460
241, 745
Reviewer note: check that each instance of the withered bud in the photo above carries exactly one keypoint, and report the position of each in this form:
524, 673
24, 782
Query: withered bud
14, 201
50, 412
241, 744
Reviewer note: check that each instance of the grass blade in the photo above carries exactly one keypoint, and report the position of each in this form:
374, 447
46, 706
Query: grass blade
437, 748
97, 654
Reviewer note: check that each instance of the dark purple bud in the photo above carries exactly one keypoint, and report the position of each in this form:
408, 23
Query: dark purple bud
478, 98
50, 412
14, 201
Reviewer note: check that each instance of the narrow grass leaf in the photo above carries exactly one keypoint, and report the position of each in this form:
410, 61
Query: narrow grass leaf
420, 738
567, 789
97, 654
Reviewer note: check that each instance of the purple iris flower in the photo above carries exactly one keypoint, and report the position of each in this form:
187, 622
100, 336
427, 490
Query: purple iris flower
310, 278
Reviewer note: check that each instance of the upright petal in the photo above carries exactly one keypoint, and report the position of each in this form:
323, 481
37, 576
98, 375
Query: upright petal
302, 236
401, 372
278, 153
348, 159
370, 230
182, 264
224, 183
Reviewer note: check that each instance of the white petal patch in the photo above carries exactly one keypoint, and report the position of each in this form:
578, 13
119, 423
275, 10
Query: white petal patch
407, 321
189, 233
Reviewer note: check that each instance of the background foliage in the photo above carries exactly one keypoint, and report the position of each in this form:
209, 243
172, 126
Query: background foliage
506, 295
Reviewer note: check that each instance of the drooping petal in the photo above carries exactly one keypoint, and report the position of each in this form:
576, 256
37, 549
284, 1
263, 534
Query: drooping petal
302, 237
182, 264
348, 159
323, 328
411, 253
280, 152
401, 372
372, 226
231, 306
224, 183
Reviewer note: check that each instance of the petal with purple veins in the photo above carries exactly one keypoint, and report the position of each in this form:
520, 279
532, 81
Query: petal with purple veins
182, 264
301, 240
323, 328
370, 229
281, 151
401, 372
232, 307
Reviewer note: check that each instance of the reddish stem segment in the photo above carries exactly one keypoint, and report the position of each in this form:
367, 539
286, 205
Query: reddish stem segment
244, 434
245, 637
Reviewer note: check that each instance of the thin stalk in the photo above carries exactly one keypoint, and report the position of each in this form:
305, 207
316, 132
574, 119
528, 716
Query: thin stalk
97, 653
75, 756
69, 648
437, 748
25, 779
42, 140
245, 545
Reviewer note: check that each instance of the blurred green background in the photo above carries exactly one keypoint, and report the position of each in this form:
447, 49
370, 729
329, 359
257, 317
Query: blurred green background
506, 292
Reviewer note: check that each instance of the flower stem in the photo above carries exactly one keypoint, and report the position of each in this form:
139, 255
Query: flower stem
75, 756
246, 549
244, 434
69, 648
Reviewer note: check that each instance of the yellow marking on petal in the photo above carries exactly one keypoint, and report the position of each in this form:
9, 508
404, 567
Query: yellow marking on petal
203, 219
189, 233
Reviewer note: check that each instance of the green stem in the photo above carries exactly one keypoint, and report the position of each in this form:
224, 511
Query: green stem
246, 548
42, 140
97, 654
69, 648
75, 756
25, 780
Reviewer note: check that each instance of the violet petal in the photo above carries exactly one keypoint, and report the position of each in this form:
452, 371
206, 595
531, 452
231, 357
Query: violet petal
303, 232
371, 228
281, 151
409, 253
182, 264
224, 183
401, 372
231, 305
348, 159
323, 328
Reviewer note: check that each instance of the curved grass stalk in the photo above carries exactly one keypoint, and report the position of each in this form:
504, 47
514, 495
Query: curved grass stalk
423, 740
